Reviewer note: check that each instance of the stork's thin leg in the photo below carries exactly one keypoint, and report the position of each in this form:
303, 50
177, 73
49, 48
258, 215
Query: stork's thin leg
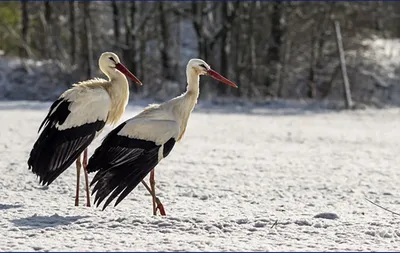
153, 190
156, 204
159, 204
78, 175
85, 162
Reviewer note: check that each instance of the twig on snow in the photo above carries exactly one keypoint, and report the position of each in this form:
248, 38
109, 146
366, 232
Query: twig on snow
275, 224
382, 207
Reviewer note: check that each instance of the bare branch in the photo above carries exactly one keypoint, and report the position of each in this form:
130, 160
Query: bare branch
382, 207
144, 20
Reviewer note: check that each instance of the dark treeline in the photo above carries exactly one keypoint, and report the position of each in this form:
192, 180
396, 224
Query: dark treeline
270, 49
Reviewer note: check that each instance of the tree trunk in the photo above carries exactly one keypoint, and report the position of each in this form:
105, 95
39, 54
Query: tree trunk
129, 51
276, 43
198, 22
116, 24
126, 50
142, 57
178, 45
286, 57
25, 29
47, 35
47, 11
133, 38
346, 84
252, 52
312, 88
72, 31
165, 45
86, 39
222, 89
142, 53
237, 51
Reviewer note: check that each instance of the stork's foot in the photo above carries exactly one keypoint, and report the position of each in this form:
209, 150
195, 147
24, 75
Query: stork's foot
160, 207
157, 205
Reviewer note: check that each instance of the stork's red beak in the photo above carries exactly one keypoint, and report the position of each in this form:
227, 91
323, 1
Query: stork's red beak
126, 72
216, 75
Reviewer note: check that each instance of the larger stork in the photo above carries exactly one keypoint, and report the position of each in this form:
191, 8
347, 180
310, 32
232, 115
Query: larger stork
76, 118
135, 147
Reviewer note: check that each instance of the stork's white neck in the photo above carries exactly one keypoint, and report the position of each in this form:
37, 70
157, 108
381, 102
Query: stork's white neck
114, 75
118, 90
193, 80
184, 104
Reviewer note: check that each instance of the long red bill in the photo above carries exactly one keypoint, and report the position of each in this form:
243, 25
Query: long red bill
126, 72
216, 75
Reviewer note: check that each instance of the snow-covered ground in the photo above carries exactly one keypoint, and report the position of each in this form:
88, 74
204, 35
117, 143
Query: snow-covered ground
236, 173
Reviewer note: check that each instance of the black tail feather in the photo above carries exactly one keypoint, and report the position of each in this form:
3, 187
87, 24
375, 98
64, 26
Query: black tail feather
99, 156
121, 164
56, 150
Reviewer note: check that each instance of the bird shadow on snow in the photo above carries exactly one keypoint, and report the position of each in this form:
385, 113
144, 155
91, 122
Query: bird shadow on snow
37, 222
8, 206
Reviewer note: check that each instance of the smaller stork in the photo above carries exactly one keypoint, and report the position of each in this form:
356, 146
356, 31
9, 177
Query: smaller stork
135, 147
76, 118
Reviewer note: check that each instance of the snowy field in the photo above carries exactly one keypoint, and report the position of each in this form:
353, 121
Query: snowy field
236, 173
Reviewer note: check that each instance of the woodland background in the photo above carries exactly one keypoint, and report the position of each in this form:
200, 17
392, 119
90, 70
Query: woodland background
272, 50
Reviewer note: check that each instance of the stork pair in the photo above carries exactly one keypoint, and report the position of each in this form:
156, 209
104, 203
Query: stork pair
130, 151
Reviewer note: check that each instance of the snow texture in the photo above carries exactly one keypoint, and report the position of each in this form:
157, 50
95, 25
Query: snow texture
281, 177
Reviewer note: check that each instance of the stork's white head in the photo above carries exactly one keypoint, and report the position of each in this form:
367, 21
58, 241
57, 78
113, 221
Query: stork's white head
201, 67
109, 62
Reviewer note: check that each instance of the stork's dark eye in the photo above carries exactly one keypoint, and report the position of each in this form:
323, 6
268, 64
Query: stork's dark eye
203, 66
112, 59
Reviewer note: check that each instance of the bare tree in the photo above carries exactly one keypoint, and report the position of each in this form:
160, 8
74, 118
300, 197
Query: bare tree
46, 19
167, 64
346, 84
130, 48
24, 29
86, 39
269, 48
116, 23
276, 31
198, 13
72, 31
208, 33
224, 45
274, 48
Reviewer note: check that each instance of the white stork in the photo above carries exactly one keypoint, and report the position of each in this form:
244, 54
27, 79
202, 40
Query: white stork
133, 149
76, 118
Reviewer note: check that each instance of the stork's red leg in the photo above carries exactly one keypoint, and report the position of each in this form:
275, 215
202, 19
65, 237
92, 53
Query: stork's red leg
160, 207
158, 202
78, 175
85, 162
153, 190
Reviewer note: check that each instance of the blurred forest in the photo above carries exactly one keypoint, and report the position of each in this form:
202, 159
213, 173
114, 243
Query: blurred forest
270, 49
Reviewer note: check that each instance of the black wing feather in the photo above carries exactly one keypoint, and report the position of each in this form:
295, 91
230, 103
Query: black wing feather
55, 150
121, 164
60, 116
